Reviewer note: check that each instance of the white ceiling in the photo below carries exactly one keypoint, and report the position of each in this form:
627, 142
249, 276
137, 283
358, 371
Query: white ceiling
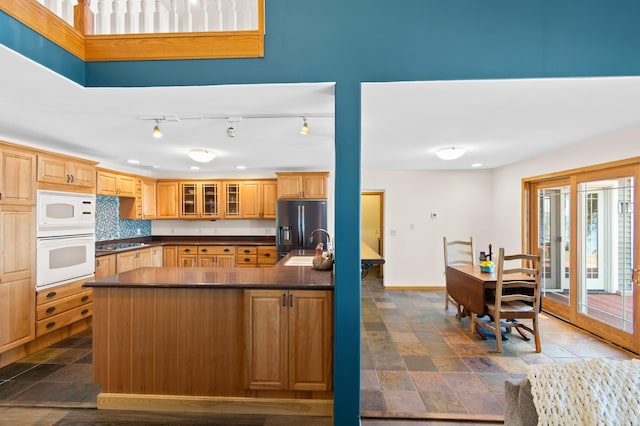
497, 121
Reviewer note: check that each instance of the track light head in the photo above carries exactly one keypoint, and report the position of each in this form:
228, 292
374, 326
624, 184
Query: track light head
231, 132
157, 133
304, 130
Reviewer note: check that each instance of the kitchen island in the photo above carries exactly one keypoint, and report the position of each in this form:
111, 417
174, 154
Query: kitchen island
250, 340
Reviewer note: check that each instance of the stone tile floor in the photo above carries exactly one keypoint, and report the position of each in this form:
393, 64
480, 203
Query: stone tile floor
420, 366
419, 361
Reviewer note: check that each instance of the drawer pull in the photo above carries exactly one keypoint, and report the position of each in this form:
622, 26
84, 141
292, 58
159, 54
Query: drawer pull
51, 324
51, 294
267, 255
84, 312
227, 250
84, 298
246, 251
187, 250
246, 259
284, 300
50, 309
204, 250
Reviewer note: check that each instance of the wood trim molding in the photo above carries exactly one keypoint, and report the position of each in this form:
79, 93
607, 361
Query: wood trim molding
139, 47
46, 23
124, 47
214, 404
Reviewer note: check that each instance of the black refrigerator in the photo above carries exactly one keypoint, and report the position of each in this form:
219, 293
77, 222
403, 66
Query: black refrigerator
296, 220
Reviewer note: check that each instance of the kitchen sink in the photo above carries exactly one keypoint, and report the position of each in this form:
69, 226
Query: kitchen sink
299, 261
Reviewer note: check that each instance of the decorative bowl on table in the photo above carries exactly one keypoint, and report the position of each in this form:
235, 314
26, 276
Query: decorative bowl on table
487, 266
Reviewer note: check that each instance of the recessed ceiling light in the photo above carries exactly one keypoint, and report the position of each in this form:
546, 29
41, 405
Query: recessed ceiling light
241, 167
194, 168
133, 161
476, 165
156, 167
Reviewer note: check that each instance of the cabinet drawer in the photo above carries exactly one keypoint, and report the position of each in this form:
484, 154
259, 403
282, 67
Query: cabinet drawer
216, 250
267, 255
187, 250
242, 250
61, 320
56, 307
59, 292
246, 259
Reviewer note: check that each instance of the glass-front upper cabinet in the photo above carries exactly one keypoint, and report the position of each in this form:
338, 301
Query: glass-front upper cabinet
200, 200
232, 200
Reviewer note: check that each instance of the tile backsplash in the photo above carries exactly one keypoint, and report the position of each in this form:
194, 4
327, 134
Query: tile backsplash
109, 226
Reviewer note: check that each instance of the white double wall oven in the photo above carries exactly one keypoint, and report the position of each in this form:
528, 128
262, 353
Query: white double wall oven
65, 247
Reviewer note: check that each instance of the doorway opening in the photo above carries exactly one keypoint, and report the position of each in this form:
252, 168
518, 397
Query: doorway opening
372, 224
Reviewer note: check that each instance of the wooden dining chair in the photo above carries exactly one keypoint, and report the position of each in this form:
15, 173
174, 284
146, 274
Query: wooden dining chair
517, 297
457, 253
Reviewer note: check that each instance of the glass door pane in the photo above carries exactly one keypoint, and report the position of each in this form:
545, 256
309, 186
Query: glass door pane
554, 238
605, 251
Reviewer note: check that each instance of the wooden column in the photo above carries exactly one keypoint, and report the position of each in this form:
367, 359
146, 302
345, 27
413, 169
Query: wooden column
83, 17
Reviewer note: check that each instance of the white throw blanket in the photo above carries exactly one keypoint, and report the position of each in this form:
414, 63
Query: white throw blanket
590, 393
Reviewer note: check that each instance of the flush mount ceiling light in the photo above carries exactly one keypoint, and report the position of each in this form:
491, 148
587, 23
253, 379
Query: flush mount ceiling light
450, 153
304, 130
157, 133
201, 155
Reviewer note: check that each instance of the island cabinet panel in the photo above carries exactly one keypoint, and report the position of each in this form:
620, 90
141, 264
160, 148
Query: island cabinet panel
289, 339
142, 345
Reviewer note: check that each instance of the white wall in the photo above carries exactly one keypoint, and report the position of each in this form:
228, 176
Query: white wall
485, 204
412, 242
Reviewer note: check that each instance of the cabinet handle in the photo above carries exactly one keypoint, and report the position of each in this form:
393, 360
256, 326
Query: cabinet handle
187, 250
50, 309
247, 251
291, 300
68, 178
246, 259
204, 250
284, 300
0, 195
84, 312
84, 298
51, 324
227, 250
97, 263
51, 294
72, 178
267, 255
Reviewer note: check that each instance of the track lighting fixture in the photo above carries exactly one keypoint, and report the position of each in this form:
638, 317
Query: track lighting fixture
304, 130
157, 133
231, 132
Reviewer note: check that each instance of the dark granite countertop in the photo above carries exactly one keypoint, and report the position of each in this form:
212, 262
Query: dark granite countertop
276, 277
104, 248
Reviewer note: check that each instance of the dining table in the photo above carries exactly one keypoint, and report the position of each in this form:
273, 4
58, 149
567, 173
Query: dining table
472, 288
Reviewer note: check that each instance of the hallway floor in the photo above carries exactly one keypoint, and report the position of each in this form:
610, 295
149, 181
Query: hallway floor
419, 361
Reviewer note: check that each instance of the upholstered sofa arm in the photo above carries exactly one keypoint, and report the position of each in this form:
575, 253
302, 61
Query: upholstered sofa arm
519, 407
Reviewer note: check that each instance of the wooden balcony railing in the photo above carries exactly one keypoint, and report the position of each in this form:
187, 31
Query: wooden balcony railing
113, 30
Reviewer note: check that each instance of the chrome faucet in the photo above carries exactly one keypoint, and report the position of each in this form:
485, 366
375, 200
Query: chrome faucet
324, 231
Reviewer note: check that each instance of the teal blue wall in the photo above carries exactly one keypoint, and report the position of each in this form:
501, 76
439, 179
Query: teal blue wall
353, 41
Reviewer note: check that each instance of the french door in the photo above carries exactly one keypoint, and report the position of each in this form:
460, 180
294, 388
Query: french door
586, 224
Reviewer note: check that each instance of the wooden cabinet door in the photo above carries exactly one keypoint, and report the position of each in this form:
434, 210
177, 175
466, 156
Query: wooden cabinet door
210, 203
314, 186
310, 340
105, 266
106, 184
17, 177
170, 256
125, 261
269, 199
232, 200
148, 199
166, 200
157, 259
187, 260
126, 186
290, 186
143, 258
207, 261
266, 339
52, 169
225, 261
189, 200
251, 199
17, 282
82, 174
